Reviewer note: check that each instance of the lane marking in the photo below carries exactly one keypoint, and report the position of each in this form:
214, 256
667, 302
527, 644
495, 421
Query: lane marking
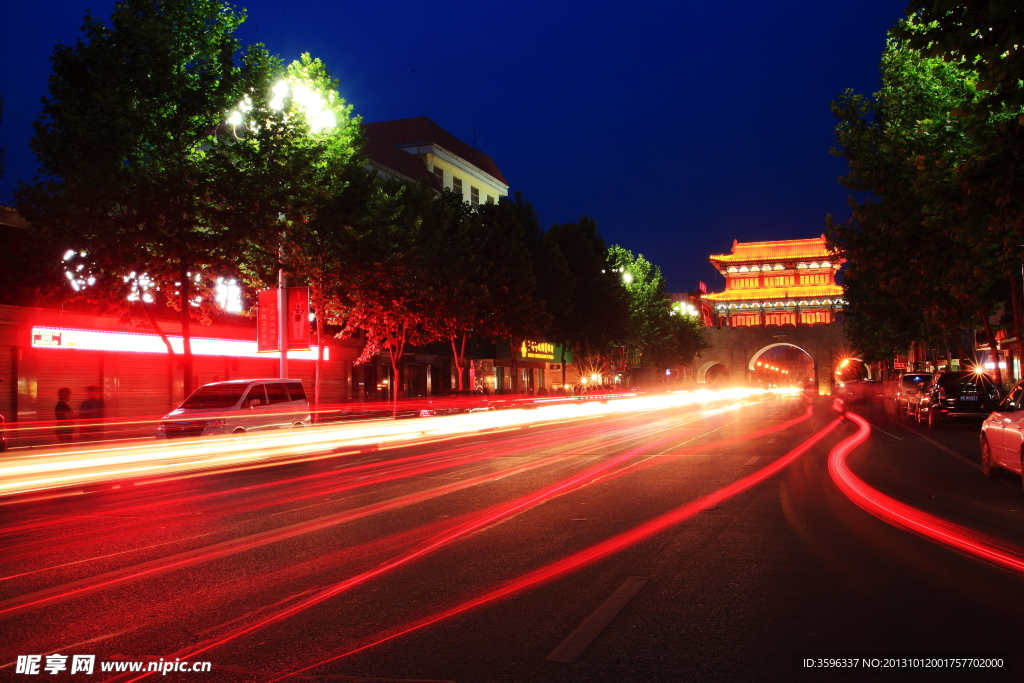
753, 461
580, 639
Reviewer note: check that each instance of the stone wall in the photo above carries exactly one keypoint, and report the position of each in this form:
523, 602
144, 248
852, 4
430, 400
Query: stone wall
737, 348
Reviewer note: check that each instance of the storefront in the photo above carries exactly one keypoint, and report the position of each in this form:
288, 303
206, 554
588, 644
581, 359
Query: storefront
43, 350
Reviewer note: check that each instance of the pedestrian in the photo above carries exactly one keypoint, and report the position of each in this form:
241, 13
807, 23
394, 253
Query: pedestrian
91, 414
65, 417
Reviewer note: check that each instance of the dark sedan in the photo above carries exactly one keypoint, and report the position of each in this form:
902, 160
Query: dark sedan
955, 396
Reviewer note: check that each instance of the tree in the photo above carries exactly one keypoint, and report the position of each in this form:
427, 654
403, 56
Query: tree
127, 145
593, 321
510, 239
658, 334
981, 37
457, 274
294, 147
915, 271
389, 290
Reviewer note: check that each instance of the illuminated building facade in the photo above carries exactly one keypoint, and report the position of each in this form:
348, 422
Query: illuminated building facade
783, 282
419, 150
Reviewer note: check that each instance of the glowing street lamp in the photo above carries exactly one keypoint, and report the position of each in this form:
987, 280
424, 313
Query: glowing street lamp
294, 97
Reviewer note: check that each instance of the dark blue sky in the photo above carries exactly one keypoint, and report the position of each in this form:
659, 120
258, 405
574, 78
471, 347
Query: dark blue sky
678, 127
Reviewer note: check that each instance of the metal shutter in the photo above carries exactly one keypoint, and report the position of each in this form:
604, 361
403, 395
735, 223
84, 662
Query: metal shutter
9, 386
144, 385
69, 368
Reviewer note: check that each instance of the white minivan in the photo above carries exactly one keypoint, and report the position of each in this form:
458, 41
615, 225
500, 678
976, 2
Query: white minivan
237, 407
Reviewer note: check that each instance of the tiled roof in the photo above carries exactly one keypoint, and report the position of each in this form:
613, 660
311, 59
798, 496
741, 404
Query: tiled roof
390, 157
759, 252
10, 216
777, 293
422, 131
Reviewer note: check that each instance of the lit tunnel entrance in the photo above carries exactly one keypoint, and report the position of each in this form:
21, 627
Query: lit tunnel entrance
781, 365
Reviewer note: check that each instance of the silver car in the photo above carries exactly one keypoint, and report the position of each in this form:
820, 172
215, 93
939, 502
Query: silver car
1002, 435
237, 407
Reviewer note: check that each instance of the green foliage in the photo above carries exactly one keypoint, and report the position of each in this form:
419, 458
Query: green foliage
920, 267
984, 38
663, 337
127, 147
593, 320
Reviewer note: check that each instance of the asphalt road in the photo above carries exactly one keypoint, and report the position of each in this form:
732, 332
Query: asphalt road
658, 546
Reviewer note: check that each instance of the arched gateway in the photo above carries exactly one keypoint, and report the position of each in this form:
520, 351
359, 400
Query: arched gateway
776, 293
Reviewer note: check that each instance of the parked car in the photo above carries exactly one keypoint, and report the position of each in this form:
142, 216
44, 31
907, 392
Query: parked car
1002, 435
237, 407
463, 401
954, 396
909, 386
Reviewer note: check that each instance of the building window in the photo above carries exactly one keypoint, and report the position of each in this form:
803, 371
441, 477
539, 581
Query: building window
746, 320
439, 174
816, 279
778, 280
457, 186
490, 199
474, 196
743, 282
780, 319
812, 317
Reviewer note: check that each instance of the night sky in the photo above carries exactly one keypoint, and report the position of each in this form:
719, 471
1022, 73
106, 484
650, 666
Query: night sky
678, 127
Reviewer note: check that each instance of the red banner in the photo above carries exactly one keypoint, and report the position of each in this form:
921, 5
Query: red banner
298, 318
267, 323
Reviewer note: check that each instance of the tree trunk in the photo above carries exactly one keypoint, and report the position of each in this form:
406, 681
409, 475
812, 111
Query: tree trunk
318, 379
1018, 317
460, 361
514, 365
159, 330
397, 349
968, 357
186, 336
992, 349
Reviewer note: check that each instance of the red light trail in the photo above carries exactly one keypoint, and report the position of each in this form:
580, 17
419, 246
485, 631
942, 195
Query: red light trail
554, 570
425, 539
911, 519
594, 553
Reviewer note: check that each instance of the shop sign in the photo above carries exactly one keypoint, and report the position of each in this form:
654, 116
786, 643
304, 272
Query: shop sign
541, 350
46, 339
133, 342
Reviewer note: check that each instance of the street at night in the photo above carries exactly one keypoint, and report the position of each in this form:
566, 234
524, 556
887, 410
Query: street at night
717, 525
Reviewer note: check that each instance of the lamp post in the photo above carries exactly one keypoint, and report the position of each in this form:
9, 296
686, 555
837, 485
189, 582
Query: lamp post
299, 98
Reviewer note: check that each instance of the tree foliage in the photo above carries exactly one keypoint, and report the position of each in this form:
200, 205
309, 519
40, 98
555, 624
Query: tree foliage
907, 239
129, 154
594, 319
660, 335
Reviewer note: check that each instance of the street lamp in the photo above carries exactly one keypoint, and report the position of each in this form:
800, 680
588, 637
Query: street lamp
292, 96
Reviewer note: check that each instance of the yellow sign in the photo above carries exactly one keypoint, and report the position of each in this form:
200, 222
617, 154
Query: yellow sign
542, 350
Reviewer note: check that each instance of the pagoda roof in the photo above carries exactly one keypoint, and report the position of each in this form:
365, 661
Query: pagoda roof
777, 250
774, 293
